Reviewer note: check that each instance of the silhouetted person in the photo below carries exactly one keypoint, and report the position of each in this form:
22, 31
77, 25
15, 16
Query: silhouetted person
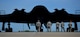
62, 26
9, 29
70, 26
41, 29
69, 29
6, 30
38, 24
57, 26
49, 24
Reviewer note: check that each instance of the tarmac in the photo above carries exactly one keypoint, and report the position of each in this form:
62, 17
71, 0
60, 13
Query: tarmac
39, 34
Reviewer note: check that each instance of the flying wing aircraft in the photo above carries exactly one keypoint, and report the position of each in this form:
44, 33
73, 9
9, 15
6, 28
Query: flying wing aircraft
39, 13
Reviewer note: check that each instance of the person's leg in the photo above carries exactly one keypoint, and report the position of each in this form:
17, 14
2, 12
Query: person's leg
64, 29
58, 29
61, 29
70, 29
47, 29
38, 29
67, 29
50, 29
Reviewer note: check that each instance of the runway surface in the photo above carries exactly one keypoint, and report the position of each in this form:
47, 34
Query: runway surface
39, 34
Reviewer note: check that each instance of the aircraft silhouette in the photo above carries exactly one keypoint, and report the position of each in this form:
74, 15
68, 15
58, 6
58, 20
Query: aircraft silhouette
39, 13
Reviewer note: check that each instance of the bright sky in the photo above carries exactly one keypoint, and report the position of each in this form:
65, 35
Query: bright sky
9, 5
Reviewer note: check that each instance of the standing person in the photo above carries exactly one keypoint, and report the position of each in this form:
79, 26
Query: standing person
62, 26
38, 24
70, 26
57, 26
49, 24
